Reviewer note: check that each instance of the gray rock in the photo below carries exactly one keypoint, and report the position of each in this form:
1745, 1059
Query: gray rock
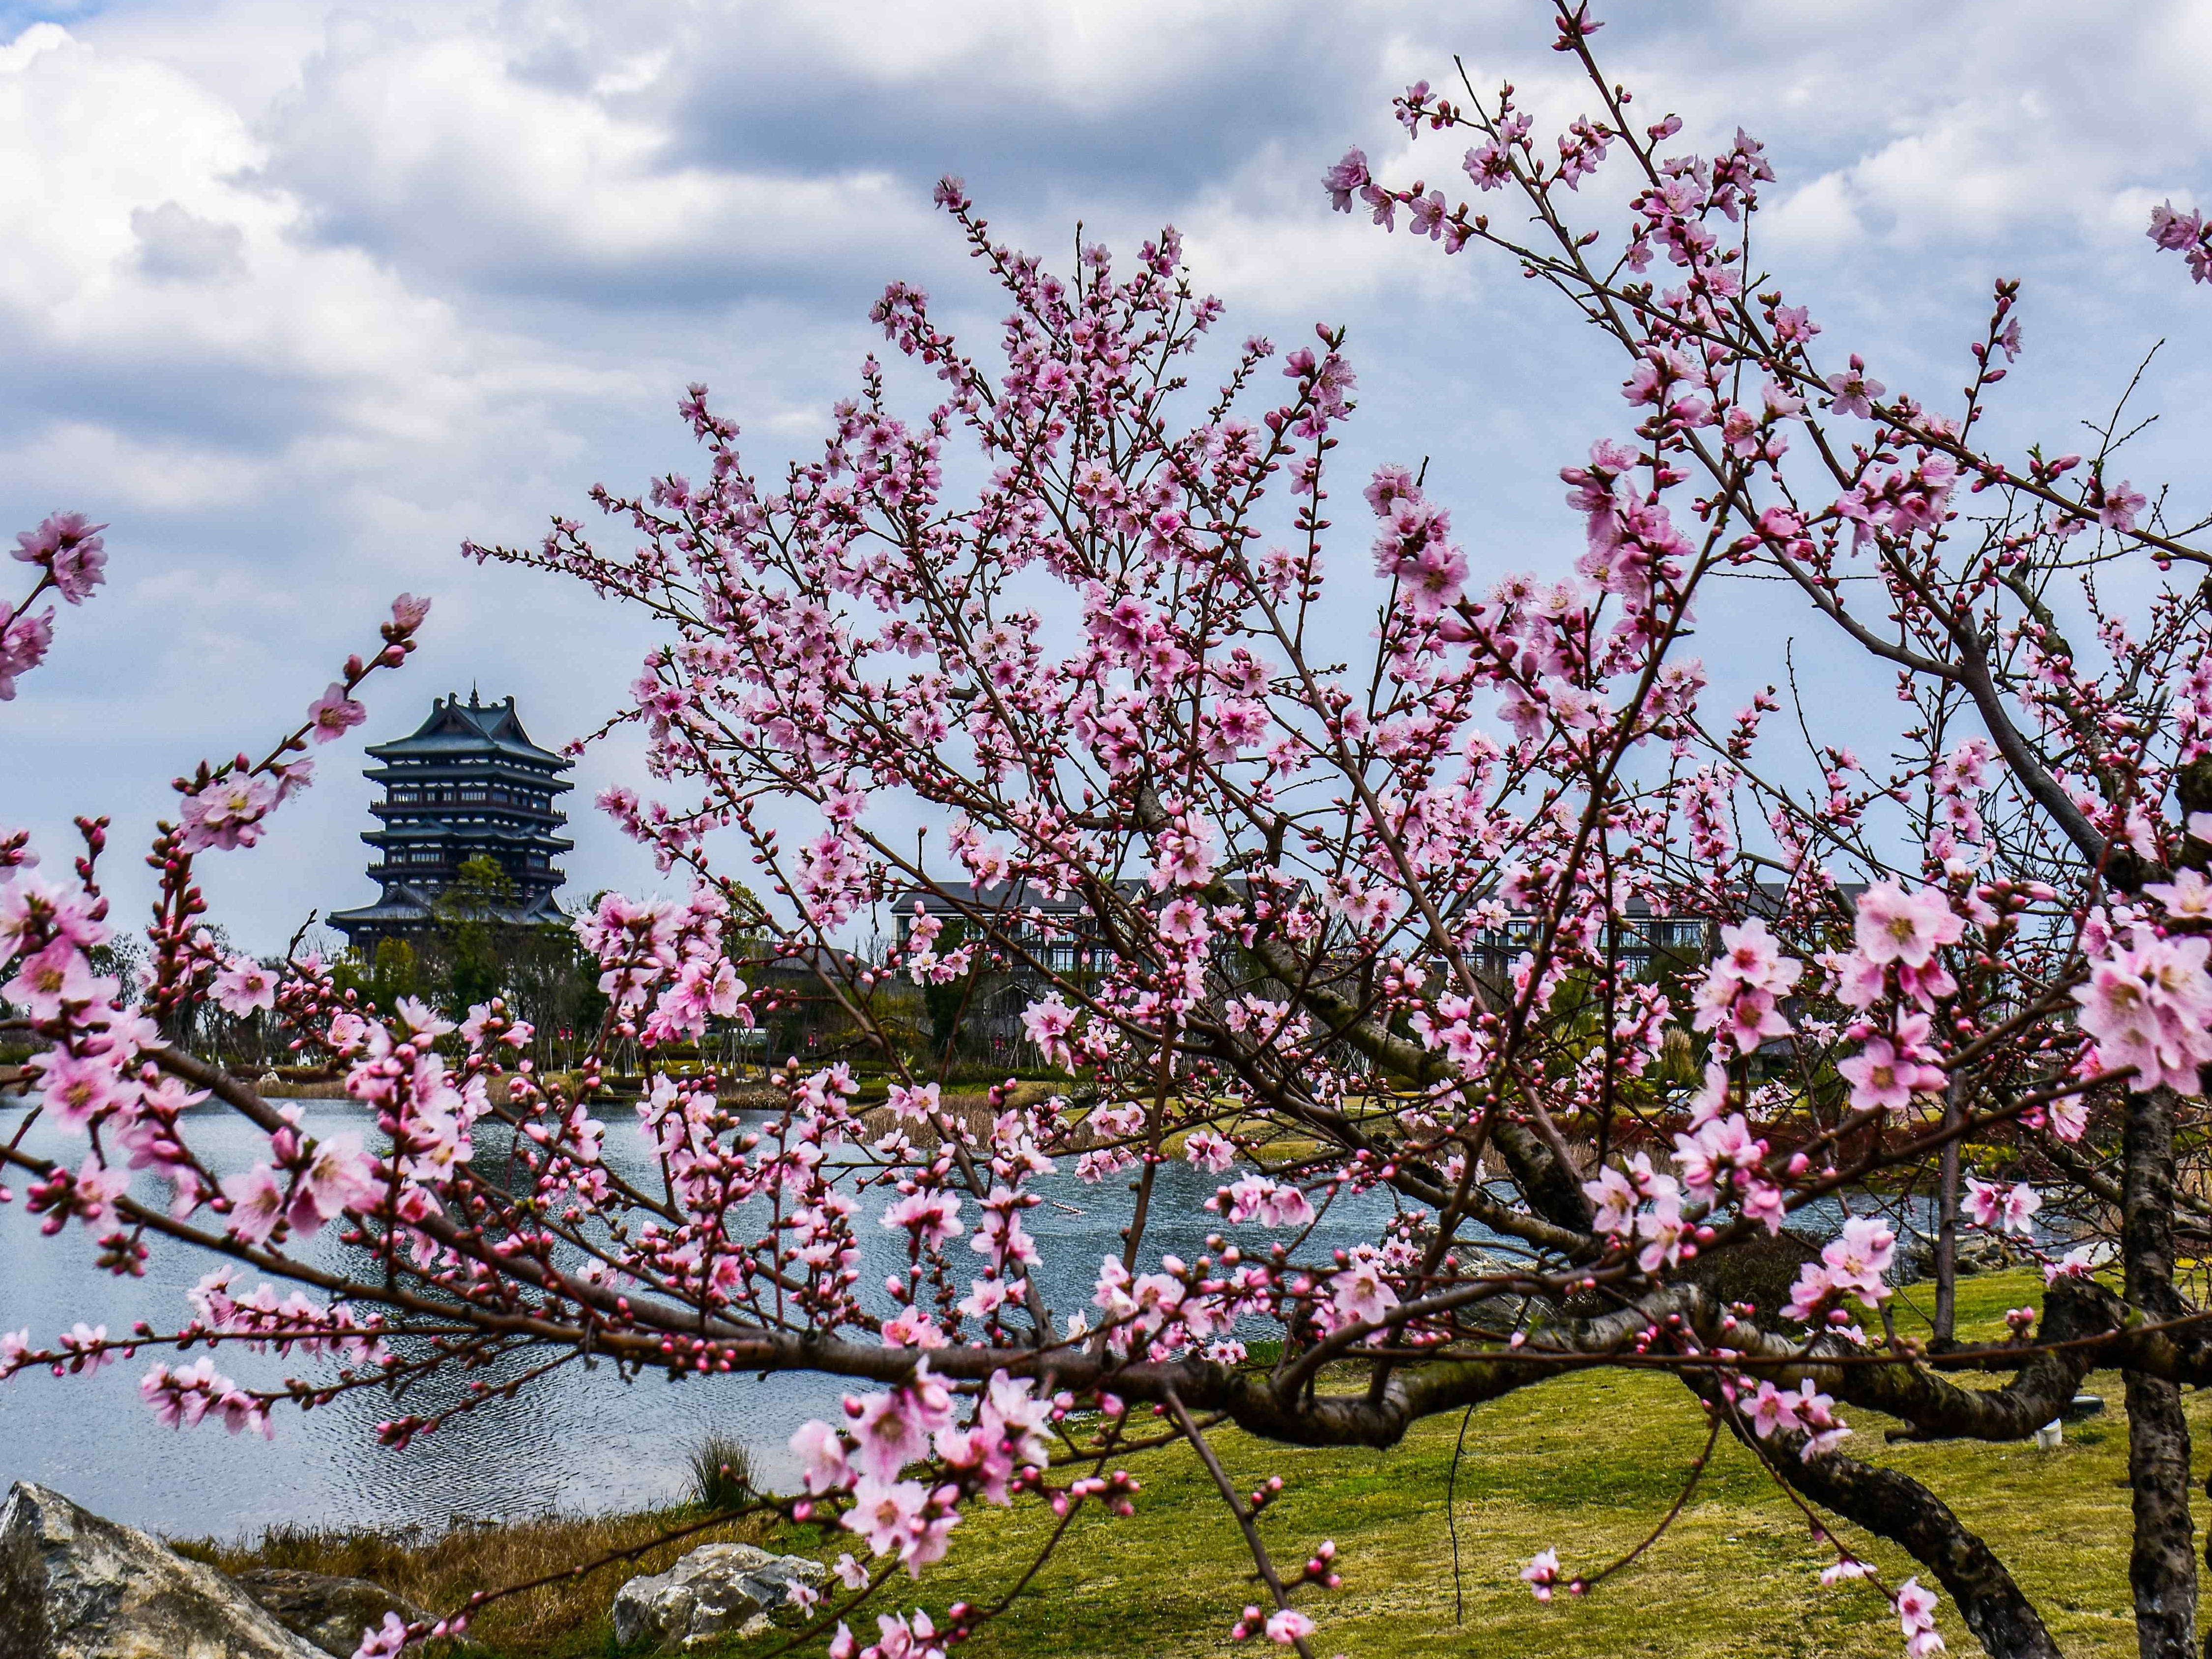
329, 1611
718, 1590
74, 1586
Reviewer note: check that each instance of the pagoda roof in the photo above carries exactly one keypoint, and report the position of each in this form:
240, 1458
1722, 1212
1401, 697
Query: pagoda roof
414, 904
422, 829
457, 730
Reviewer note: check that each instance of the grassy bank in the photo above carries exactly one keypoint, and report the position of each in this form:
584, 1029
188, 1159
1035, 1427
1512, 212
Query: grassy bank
1586, 1465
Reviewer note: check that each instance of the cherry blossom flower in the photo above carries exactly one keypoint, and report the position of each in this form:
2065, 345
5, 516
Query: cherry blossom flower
1360, 1292
2005, 1208
1288, 1626
384, 1642
243, 987
1883, 1080
333, 714
257, 1203
227, 813
1893, 926
1854, 390
821, 1452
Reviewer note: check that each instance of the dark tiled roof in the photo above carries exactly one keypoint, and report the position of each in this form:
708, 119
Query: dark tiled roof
457, 729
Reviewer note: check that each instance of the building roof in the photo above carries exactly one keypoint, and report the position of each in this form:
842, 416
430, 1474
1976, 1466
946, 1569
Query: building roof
404, 901
459, 731
963, 897
411, 832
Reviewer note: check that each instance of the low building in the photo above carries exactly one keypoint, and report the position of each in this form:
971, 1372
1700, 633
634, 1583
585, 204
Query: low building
467, 784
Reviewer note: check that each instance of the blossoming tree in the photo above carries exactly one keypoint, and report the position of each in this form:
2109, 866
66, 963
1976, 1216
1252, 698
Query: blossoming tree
1362, 930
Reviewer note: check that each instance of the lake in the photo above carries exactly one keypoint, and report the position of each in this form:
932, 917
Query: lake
576, 1440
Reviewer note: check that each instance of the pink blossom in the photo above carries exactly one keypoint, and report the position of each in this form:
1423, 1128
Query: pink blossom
384, 1642
2149, 1006
1361, 1293
333, 714
1183, 921
1810, 1293
339, 1176
886, 1513
1344, 180
71, 551
821, 1452
932, 1217
2005, 1208
245, 986
1854, 390
76, 1088
1614, 1198
2188, 896
1288, 1626
1046, 1023
915, 1104
256, 1201
227, 813
1916, 1608
893, 1428
1661, 1228
1772, 1412
1893, 926
24, 642
54, 977
1883, 1080
1209, 1150
1542, 1573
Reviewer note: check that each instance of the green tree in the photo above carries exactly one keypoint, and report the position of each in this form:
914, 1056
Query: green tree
477, 936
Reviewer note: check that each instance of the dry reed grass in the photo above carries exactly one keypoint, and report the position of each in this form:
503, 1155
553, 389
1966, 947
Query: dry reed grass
567, 1617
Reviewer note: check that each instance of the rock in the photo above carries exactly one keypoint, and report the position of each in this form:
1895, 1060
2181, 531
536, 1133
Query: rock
718, 1590
1976, 1253
74, 1586
1756, 1268
330, 1612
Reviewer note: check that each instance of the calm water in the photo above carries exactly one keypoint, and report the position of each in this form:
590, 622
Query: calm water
575, 1440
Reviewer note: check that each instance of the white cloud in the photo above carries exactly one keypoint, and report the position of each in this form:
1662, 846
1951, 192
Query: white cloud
299, 292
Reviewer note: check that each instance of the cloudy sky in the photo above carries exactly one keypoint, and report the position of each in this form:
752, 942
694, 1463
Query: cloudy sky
297, 295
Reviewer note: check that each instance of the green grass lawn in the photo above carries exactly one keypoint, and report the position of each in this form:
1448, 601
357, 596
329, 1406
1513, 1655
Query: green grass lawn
1586, 1465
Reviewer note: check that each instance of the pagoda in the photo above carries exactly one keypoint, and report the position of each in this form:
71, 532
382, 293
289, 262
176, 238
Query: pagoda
468, 784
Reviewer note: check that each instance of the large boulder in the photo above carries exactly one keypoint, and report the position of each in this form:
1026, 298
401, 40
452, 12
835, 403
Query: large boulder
717, 1591
329, 1611
74, 1586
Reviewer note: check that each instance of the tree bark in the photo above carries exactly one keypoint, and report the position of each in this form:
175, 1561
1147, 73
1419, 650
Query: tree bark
2162, 1564
1946, 1229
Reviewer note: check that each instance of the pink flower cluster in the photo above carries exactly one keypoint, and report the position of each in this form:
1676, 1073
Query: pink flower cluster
2183, 233
1853, 1264
1738, 1000
1779, 1411
2148, 1004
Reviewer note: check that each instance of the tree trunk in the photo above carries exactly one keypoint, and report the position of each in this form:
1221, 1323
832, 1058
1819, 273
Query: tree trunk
1947, 1230
2162, 1564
